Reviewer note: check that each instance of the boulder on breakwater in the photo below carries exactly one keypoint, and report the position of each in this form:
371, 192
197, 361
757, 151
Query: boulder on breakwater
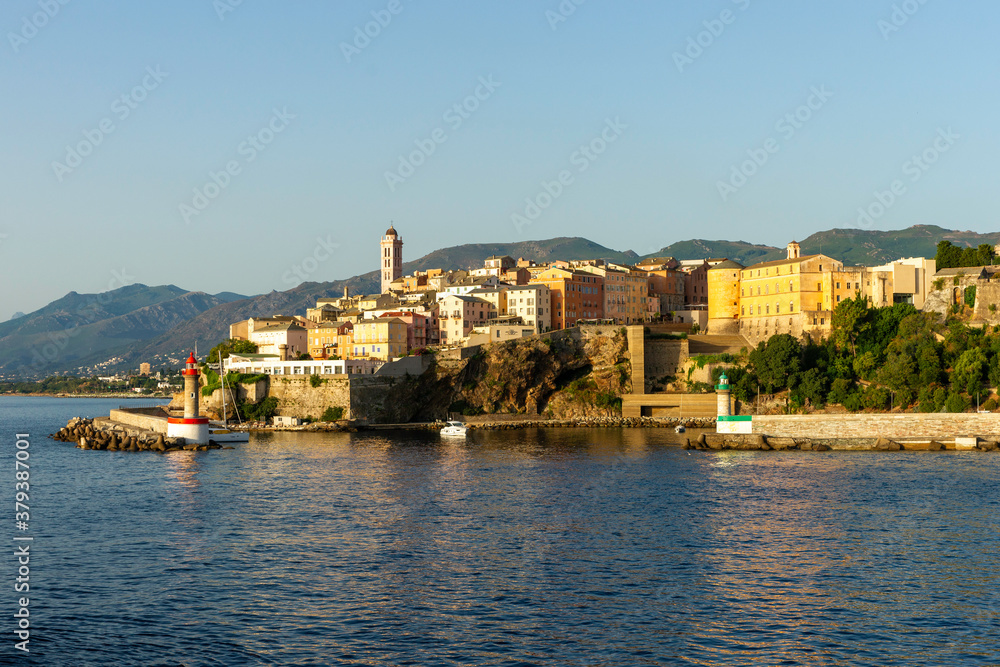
758, 442
106, 435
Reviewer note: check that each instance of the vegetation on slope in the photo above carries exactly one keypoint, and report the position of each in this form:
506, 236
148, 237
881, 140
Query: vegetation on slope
877, 359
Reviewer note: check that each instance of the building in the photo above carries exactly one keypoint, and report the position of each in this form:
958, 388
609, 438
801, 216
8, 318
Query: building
144, 368
391, 264
531, 303
469, 284
288, 340
724, 297
458, 314
242, 330
903, 281
499, 264
323, 312
383, 338
329, 340
795, 295
497, 333
269, 364
696, 282
667, 288
575, 295
417, 326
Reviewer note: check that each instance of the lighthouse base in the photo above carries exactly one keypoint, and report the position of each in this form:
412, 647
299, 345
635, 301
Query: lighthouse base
193, 430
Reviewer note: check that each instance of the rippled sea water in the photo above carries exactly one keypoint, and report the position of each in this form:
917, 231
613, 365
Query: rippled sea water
535, 547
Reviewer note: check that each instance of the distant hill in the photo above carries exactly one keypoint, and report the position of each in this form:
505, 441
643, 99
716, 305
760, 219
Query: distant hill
858, 247
740, 251
472, 256
161, 324
77, 326
17, 315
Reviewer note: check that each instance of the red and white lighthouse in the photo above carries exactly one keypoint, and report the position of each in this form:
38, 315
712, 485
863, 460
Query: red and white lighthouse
192, 427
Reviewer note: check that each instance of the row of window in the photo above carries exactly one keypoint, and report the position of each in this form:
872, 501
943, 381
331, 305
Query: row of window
766, 308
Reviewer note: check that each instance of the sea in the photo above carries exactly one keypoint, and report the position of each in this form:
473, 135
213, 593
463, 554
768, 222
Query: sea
562, 546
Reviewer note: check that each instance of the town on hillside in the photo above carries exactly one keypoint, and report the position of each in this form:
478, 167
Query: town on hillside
511, 298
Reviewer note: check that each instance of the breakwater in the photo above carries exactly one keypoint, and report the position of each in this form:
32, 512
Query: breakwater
758, 442
105, 434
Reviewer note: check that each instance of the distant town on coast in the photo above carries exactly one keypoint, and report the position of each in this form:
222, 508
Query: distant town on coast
803, 332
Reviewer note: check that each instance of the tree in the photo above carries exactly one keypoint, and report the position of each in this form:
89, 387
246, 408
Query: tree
775, 360
850, 321
230, 346
810, 385
970, 371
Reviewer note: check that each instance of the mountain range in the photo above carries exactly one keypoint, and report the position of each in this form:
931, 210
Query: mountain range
84, 333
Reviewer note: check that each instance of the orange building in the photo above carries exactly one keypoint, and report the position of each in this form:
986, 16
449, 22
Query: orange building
576, 295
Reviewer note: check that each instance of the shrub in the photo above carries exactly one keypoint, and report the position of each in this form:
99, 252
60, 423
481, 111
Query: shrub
970, 296
261, 411
853, 401
315, 380
333, 414
956, 403
990, 404
876, 398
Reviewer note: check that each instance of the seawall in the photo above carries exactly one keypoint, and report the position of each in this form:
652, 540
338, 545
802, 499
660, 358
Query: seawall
918, 425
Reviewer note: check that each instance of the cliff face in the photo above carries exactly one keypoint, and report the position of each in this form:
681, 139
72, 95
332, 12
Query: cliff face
566, 375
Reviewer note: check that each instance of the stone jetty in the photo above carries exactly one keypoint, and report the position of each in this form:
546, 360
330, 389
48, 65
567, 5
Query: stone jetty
757, 442
107, 435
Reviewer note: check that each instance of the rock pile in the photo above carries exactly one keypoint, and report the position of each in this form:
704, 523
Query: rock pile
757, 442
111, 437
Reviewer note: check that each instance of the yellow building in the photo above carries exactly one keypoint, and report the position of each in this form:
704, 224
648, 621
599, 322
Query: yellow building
791, 295
724, 297
383, 338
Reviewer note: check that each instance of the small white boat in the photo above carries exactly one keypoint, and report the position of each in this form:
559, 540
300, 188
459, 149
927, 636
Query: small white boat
220, 434
457, 429
679, 428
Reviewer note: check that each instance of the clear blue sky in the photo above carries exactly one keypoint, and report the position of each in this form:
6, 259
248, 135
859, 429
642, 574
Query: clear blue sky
680, 130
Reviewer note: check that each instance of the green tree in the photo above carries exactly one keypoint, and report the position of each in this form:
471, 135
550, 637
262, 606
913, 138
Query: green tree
230, 346
970, 370
970, 296
850, 321
775, 360
810, 385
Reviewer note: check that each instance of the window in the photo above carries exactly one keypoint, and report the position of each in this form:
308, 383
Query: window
848, 285
791, 306
791, 288
838, 287
777, 308
838, 298
767, 309
743, 310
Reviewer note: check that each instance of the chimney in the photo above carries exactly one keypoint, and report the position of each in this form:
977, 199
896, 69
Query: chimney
793, 250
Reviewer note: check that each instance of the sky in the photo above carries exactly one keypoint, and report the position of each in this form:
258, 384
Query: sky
246, 146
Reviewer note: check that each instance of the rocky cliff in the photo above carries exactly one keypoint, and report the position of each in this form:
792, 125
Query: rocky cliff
567, 375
